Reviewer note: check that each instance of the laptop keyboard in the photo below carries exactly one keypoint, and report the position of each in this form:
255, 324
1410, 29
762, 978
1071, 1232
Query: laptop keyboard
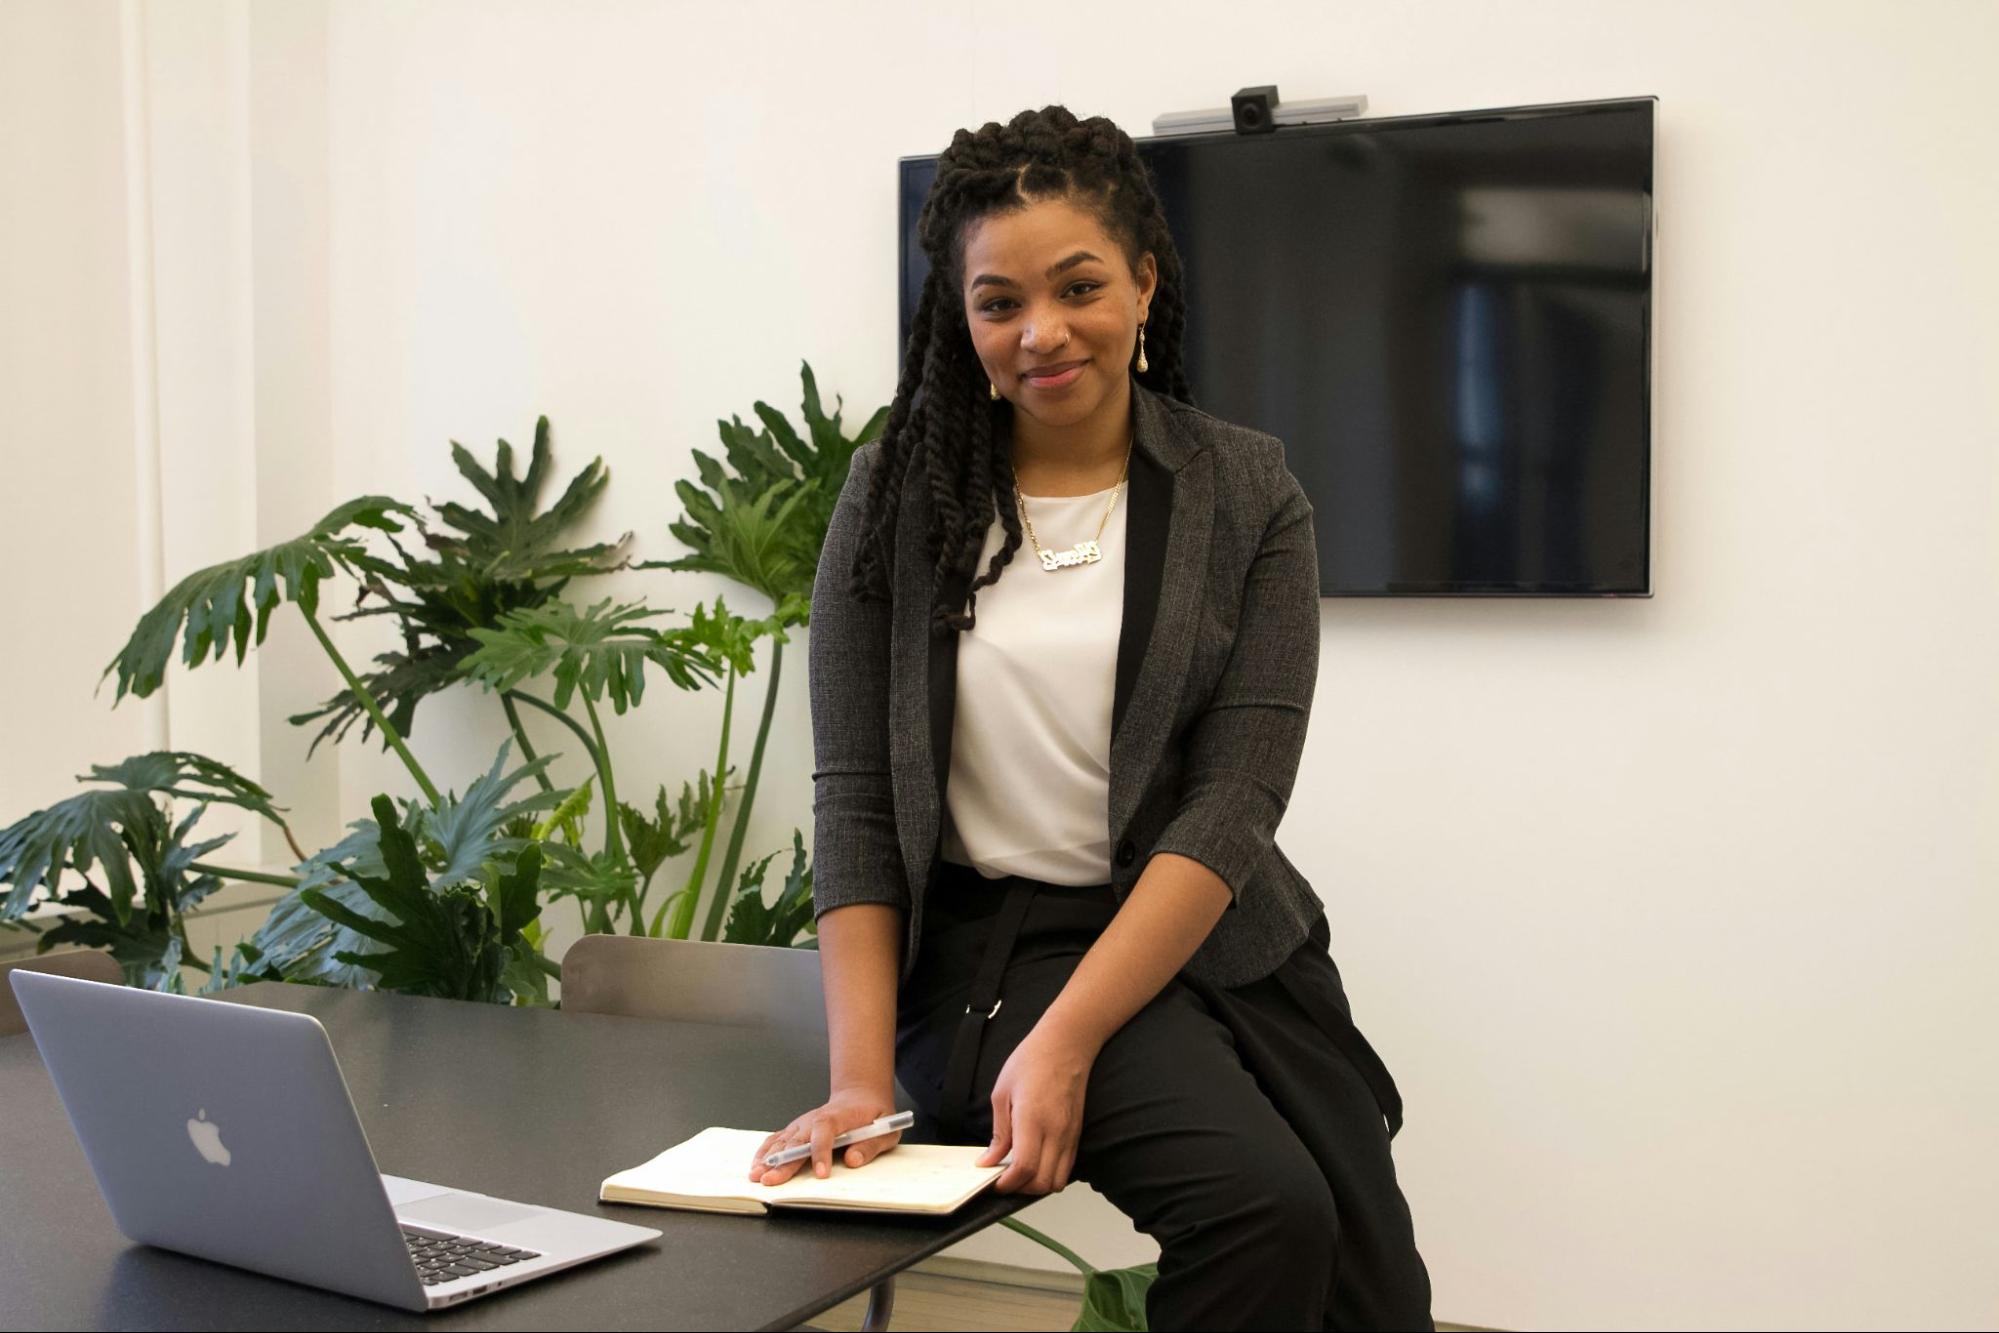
440, 1256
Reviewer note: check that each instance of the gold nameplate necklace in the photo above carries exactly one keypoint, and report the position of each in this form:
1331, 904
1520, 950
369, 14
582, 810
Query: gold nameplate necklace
1082, 553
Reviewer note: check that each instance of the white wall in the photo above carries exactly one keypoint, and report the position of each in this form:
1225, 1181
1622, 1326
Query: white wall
67, 377
1673, 917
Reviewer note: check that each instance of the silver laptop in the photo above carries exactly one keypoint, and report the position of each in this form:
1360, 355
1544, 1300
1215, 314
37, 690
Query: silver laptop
226, 1131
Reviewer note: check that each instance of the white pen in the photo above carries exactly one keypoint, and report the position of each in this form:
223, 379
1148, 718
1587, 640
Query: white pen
888, 1124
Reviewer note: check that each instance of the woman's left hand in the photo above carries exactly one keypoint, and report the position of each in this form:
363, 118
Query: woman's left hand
1038, 1111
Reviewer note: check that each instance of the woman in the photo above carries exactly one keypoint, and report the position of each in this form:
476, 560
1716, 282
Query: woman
1049, 897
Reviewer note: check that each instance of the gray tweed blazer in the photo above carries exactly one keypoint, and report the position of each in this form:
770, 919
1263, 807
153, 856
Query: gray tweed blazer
1216, 664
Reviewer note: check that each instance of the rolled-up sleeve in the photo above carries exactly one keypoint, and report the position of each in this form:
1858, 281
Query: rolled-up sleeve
1242, 751
856, 857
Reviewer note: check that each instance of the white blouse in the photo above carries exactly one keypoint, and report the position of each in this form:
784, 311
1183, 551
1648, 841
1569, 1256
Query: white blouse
1029, 790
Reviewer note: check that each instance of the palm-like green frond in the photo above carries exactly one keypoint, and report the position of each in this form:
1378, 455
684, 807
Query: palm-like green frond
752, 920
602, 651
514, 542
447, 940
753, 538
477, 567
102, 827
763, 521
732, 638
211, 604
459, 839
399, 683
146, 942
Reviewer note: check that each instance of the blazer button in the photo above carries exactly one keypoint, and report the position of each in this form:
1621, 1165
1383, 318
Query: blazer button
1126, 853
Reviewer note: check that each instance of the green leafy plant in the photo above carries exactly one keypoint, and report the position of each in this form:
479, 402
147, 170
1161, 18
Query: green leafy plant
476, 593
460, 839
1113, 1298
113, 828
479, 566
732, 529
755, 921
135, 875
450, 938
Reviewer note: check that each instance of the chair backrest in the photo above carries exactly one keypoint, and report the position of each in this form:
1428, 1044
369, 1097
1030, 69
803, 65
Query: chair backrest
776, 992
89, 964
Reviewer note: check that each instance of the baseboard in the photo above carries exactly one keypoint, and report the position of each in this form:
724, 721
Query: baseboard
1068, 1284
1005, 1275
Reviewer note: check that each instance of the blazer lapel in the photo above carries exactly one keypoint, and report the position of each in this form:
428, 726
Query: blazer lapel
1167, 525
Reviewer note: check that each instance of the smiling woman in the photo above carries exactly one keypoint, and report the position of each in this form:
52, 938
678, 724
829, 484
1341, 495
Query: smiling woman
1058, 342
1050, 263
1090, 956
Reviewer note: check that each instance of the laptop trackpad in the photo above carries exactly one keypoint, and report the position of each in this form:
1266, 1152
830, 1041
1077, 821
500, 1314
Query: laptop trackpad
465, 1212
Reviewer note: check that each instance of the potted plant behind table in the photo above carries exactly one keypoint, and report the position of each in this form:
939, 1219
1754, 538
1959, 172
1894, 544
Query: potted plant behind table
119, 859
467, 583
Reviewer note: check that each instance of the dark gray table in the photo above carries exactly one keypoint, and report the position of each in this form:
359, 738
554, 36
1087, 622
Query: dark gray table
526, 1104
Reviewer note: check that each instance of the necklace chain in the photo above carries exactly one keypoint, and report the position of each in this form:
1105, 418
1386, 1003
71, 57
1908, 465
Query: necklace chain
1082, 553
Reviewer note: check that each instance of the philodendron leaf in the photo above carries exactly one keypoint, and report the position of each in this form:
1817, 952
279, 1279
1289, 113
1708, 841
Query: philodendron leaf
212, 604
754, 921
670, 829
398, 684
602, 651
145, 939
731, 528
138, 943
75, 834
94, 827
517, 894
1114, 1299
300, 944
754, 539
189, 776
731, 638
468, 573
459, 837
598, 879
244, 965
444, 940
515, 542
469, 831
568, 816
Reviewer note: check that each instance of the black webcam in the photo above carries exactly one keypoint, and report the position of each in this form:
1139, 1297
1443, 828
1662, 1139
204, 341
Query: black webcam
1255, 109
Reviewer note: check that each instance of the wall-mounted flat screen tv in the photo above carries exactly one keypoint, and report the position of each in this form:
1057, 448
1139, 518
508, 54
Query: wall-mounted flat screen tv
1448, 321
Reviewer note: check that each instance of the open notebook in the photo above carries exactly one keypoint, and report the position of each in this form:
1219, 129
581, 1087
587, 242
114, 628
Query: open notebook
711, 1172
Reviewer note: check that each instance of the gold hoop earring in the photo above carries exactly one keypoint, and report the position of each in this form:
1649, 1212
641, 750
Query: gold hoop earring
992, 391
1141, 349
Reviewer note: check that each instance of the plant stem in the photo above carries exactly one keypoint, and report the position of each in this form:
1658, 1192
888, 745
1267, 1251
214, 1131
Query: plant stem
373, 709
1053, 1244
249, 876
290, 841
589, 746
521, 735
719, 906
683, 912
614, 839
614, 843
659, 917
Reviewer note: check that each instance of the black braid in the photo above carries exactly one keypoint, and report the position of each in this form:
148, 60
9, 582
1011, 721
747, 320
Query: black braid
943, 428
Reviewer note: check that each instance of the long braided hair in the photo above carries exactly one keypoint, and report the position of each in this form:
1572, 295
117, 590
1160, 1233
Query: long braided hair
944, 432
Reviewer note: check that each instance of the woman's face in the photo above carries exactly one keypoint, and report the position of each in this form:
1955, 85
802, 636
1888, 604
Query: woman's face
1054, 309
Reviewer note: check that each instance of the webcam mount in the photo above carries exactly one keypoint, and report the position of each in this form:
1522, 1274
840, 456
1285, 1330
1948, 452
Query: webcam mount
1257, 110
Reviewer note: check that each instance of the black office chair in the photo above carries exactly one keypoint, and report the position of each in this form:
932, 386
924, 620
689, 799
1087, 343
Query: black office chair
775, 991
89, 964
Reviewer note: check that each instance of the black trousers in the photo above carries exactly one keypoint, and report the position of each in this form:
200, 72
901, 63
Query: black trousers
1246, 1129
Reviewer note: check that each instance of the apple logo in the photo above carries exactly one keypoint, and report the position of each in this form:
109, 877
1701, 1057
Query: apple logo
207, 1138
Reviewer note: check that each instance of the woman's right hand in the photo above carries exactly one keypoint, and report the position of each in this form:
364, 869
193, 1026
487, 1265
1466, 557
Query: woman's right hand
846, 1109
